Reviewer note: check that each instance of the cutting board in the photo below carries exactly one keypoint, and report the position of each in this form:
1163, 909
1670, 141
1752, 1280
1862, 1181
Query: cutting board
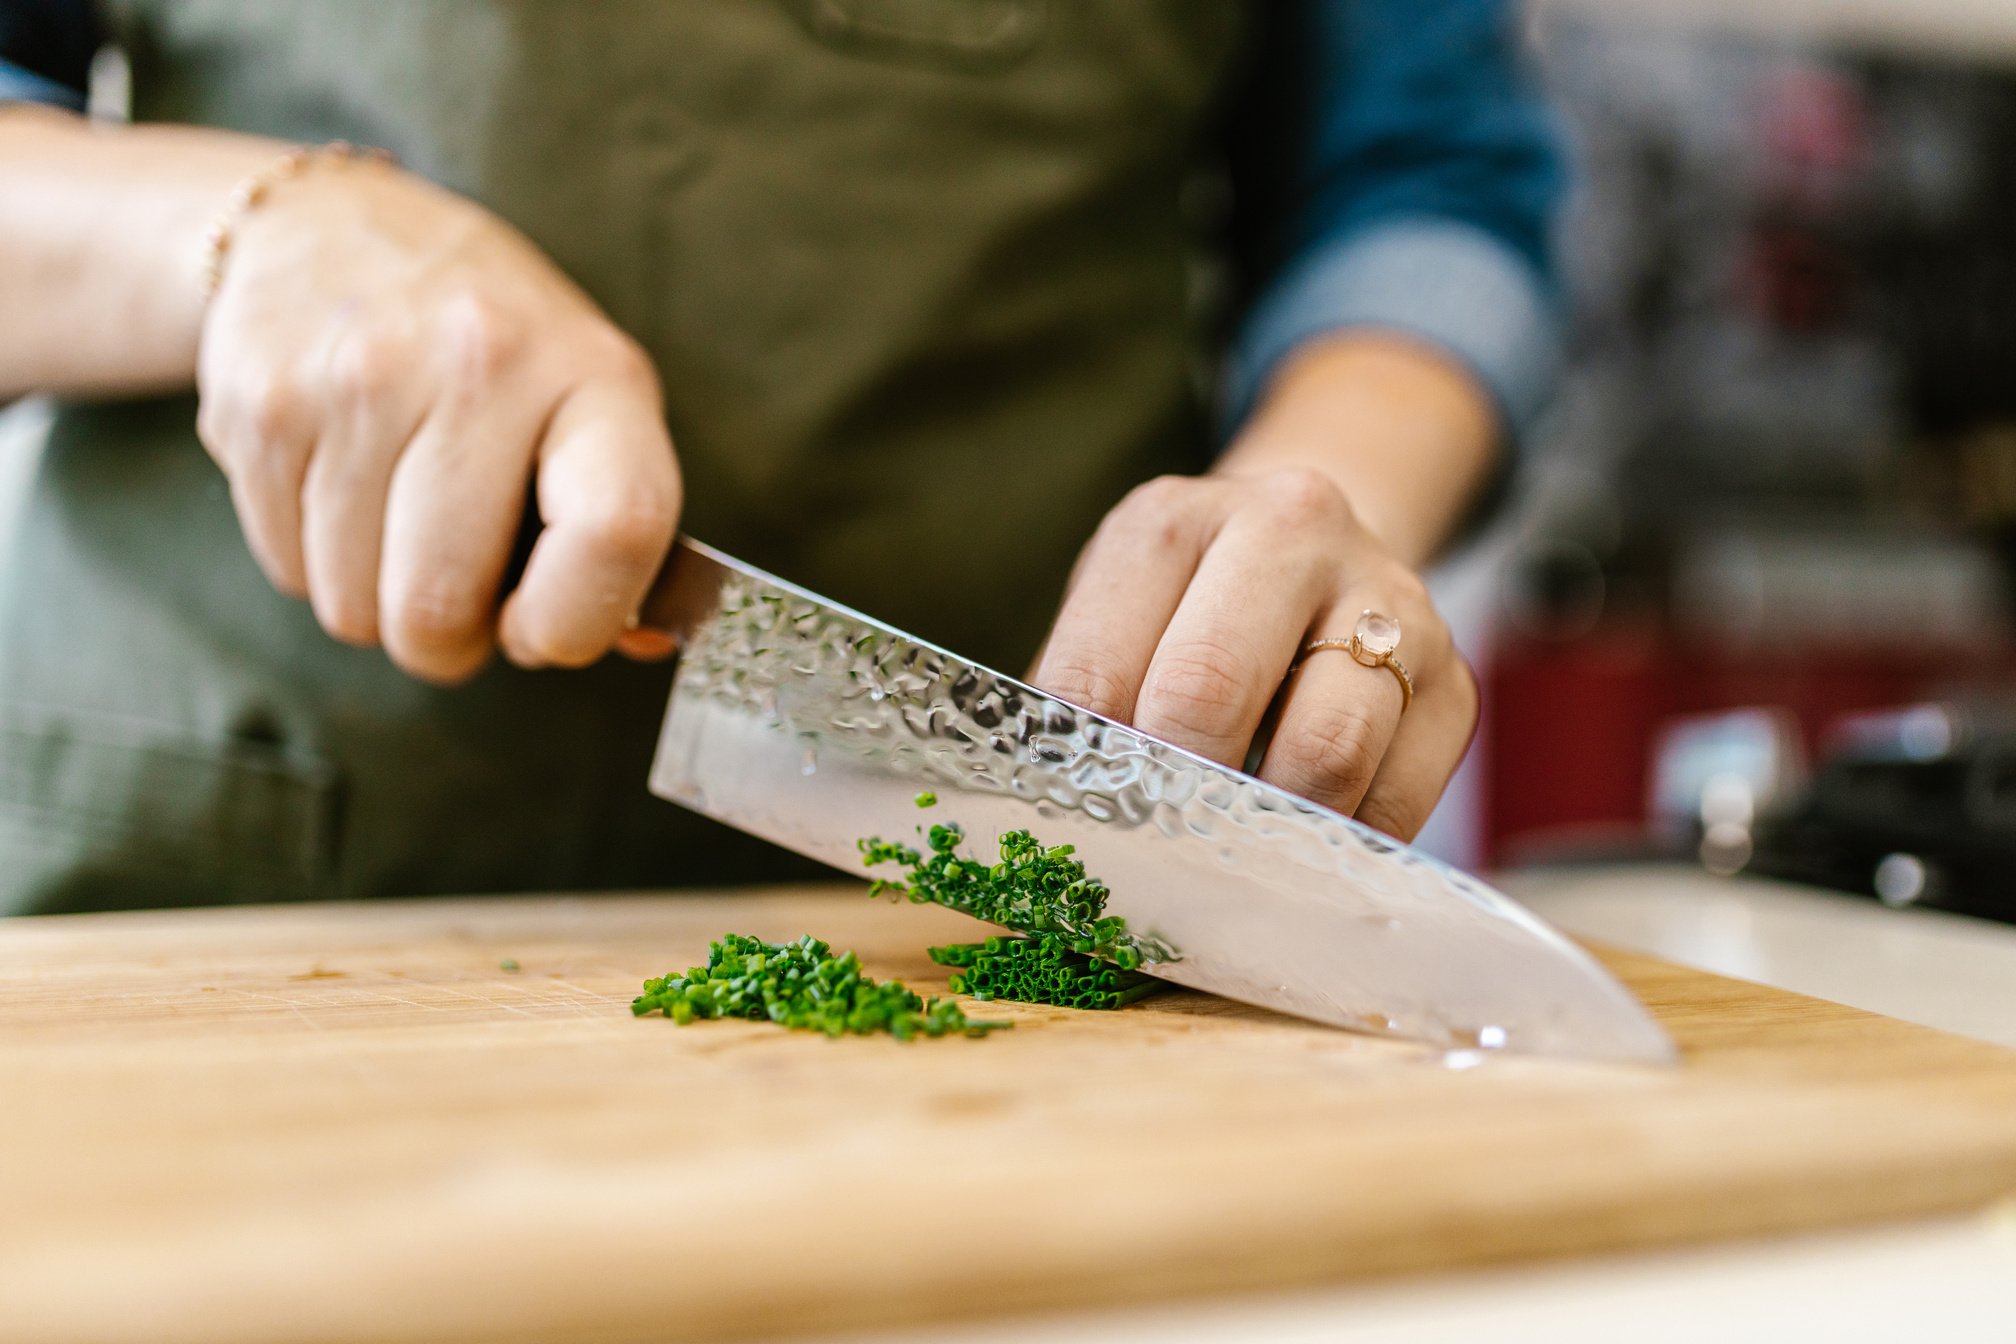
353, 1123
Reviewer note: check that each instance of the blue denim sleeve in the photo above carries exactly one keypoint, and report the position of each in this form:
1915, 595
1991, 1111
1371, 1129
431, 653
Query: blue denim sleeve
46, 48
1396, 172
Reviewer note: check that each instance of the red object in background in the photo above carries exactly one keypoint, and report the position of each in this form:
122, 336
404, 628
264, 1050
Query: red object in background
1569, 727
1795, 279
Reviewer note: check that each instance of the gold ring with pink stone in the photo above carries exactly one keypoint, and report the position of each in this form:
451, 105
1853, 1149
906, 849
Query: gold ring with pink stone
1372, 643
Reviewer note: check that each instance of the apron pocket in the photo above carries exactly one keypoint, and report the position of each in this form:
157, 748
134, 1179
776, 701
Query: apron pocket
99, 811
978, 35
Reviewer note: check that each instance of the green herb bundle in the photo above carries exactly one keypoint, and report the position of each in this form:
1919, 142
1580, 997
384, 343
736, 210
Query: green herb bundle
1072, 953
800, 985
1040, 970
1033, 889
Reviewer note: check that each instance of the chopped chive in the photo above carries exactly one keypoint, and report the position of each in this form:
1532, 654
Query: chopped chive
1070, 953
800, 985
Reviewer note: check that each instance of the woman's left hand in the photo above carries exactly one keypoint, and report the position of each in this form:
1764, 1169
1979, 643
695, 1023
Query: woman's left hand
1195, 598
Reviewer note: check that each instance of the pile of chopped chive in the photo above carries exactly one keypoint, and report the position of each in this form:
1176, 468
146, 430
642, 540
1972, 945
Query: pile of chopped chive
800, 985
1071, 953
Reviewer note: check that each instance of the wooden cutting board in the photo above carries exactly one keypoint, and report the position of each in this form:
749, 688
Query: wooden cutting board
350, 1123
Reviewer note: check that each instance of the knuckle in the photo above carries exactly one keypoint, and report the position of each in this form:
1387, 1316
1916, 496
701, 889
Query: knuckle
1410, 590
482, 337
625, 360
275, 410
1162, 495
1156, 514
1084, 680
1332, 751
633, 527
1197, 692
1395, 589
1302, 497
365, 367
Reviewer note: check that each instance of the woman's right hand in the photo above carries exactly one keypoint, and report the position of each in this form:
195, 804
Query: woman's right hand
384, 371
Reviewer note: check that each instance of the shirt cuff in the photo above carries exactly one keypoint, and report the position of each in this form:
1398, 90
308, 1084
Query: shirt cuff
1448, 283
25, 86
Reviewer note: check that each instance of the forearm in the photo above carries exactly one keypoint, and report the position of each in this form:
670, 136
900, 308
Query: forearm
1407, 434
101, 248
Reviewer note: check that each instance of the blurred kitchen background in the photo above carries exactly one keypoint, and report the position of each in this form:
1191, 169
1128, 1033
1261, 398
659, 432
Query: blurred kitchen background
1754, 609
1753, 606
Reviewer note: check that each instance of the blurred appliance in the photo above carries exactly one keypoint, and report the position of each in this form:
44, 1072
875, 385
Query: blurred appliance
1913, 807
1718, 777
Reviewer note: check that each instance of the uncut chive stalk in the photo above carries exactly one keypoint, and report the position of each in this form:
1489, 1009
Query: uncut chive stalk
1028, 970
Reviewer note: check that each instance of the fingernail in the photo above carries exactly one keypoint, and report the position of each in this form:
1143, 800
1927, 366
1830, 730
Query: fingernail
646, 645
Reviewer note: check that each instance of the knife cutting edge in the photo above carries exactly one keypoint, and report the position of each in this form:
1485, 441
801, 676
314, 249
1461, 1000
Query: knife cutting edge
811, 725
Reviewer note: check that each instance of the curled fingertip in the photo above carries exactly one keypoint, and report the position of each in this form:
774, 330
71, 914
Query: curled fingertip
519, 651
523, 655
1390, 818
346, 621
444, 673
535, 649
288, 581
1087, 683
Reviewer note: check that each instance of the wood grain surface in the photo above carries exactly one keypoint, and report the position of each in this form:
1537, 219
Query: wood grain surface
350, 1123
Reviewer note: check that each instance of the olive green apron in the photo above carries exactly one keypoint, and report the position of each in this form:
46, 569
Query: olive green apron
920, 287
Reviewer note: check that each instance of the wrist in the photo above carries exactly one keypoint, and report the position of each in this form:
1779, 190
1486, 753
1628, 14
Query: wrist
253, 191
183, 179
103, 227
1407, 433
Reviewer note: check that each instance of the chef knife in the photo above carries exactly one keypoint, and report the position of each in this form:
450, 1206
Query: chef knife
812, 725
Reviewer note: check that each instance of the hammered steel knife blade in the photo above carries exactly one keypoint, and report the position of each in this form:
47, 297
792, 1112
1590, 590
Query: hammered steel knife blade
811, 725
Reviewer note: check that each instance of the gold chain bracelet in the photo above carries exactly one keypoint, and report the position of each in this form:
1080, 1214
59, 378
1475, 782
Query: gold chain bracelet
249, 194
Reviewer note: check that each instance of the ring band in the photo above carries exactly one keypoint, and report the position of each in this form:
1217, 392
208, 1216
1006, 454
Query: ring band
1373, 644
1392, 665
